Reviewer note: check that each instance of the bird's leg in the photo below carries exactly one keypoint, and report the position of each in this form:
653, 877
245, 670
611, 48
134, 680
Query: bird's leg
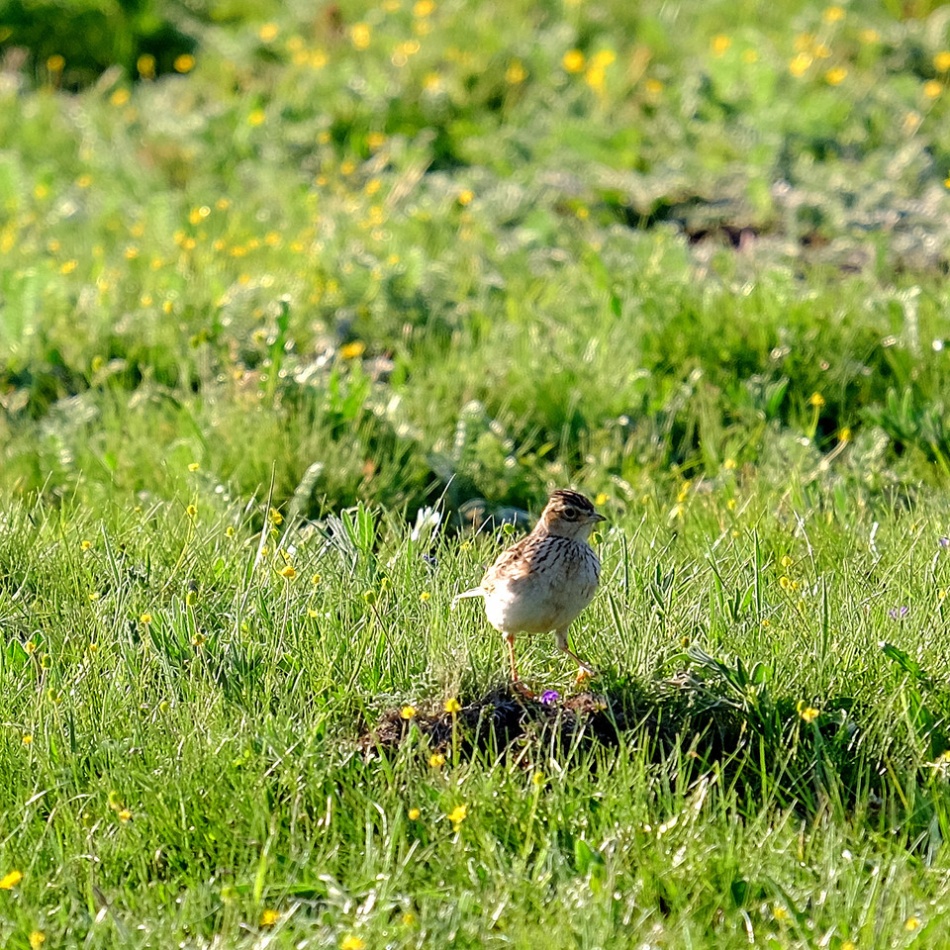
516, 683
585, 670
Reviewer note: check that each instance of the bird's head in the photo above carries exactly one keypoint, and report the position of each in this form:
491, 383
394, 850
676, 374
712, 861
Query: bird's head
568, 514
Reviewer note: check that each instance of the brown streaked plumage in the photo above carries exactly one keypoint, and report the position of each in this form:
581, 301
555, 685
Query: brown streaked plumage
545, 580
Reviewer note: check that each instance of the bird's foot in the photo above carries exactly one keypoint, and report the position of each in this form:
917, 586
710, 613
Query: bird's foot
522, 690
584, 674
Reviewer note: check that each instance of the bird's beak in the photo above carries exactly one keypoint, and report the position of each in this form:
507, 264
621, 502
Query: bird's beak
597, 516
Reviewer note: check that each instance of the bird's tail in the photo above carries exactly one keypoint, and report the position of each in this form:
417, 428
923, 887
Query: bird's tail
474, 592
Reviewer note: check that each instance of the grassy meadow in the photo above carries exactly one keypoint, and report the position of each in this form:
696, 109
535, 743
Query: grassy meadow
305, 308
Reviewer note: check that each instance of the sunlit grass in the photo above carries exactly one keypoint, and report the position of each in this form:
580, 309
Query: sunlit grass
182, 699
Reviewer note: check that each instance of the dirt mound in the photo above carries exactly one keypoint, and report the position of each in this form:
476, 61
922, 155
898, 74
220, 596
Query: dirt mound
503, 720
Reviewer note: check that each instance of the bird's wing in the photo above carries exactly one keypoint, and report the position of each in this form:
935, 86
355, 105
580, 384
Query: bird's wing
518, 561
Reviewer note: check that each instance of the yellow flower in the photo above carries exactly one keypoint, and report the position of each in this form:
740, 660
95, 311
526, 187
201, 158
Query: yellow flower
352, 351
436, 760
360, 35
423, 8
833, 14
193, 466
315, 579
10, 880
799, 64
932, 89
465, 197
27, 739
731, 504
538, 778
720, 43
408, 918
844, 435
836, 76
268, 32
573, 61
786, 561
808, 713
55, 63
407, 712
125, 815
192, 511
269, 917
414, 814
515, 73
424, 596
942, 61
595, 77
184, 63
275, 517
352, 942
816, 400
145, 64
779, 912
453, 706
288, 571
750, 56
85, 545
785, 583
912, 923
457, 815
869, 36
653, 87
120, 97
37, 938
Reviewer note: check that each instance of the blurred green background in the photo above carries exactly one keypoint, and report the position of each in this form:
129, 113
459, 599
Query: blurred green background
389, 251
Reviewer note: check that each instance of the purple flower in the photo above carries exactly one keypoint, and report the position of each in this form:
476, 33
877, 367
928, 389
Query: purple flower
549, 697
897, 613
944, 542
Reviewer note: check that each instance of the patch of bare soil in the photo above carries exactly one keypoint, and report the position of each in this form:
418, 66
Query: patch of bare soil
503, 720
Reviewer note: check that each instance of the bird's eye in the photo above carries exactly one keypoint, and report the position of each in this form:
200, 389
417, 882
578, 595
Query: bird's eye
570, 513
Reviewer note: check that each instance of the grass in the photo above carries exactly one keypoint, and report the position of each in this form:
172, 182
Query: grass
192, 717
291, 308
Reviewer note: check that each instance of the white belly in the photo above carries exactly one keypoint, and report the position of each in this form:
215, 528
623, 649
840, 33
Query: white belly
544, 600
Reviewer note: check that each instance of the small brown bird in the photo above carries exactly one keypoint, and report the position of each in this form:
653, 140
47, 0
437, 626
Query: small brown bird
545, 580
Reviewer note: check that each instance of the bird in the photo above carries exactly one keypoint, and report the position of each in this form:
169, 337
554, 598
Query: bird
545, 580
